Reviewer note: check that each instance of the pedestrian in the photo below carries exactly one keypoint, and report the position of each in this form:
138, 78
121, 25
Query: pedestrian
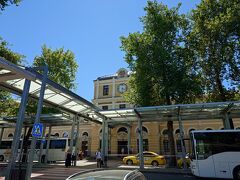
80, 155
68, 158
99, 158
73, 159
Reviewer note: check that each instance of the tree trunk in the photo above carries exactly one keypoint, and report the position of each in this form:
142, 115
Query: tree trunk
220, 88
172, 159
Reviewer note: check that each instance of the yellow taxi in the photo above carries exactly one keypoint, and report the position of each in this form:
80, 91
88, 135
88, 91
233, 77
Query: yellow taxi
150, 158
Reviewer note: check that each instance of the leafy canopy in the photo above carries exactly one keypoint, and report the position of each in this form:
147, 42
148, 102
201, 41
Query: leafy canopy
62, 65
159, 61
5, 3
215, 41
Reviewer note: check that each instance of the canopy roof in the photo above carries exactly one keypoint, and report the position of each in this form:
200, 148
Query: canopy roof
46, 119
12, 79
201, 111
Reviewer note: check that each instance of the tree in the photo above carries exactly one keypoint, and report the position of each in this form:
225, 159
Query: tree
4, 3
8, 106
159, 61
62, 65
215, 41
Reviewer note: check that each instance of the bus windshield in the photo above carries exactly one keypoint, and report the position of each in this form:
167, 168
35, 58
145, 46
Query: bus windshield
208, 144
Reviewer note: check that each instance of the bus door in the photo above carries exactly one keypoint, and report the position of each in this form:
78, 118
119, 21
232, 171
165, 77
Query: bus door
221, 166
204, 163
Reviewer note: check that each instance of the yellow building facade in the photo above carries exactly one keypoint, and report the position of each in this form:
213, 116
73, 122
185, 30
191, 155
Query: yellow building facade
108, 94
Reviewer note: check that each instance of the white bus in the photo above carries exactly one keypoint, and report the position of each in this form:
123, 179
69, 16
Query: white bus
56, 152
216, 153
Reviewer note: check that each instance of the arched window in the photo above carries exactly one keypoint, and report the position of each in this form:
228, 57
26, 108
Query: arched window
238, 128
192, 129
165, 132
10, 135
56, 134
65, 134
144, 129
122, 129
222, 128
209, 129
85, 134
177, 131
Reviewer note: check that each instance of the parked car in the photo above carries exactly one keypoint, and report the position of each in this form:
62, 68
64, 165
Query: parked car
187, 160
150, 158
107, 174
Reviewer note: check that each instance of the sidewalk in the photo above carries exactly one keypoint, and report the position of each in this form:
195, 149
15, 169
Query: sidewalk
84, 164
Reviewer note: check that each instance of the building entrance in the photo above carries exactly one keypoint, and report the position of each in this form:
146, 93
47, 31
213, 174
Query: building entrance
122, 147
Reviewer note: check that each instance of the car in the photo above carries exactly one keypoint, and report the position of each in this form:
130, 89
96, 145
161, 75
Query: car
187, 160
150, 158
107, 174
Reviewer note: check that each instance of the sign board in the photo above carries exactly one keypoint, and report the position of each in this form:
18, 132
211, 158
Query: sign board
37, 130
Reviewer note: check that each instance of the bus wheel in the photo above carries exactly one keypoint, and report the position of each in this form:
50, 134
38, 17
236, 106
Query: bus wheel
236, 172
129, 162
1, 158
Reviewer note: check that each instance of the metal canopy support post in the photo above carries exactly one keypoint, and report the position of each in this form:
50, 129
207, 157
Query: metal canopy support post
106, 143
140, 143
72, 135
48, 143
226, 121
21, 149
140, 139
129, 139
37, 120
76, 150
182, 141
40, 160
18, 130
103, 145
1, 134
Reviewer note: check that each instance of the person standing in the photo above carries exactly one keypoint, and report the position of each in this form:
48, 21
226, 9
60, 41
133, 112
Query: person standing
99, 158
68, 158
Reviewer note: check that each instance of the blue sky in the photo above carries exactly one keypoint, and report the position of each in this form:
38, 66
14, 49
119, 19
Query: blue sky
90, 29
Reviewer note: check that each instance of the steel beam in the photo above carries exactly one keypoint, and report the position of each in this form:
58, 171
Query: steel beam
18, 129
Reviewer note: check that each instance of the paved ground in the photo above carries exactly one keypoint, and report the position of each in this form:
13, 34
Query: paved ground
58, 171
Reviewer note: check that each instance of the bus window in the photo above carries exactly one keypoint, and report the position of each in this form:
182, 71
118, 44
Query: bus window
5, 144
203, 146
38, 144
57, 144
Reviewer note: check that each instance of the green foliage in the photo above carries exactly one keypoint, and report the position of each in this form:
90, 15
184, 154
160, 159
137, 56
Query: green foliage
8, 106
215, 41
5, 3
62, 65
9, 55
159, 59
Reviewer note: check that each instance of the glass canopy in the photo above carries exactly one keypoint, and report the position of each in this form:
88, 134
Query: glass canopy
201, 111
12, 79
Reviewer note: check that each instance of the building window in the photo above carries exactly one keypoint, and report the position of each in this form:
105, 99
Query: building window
105, 90
10, 135
56, 134
122, 106
104, 107
65, 134
179, 146
166, 146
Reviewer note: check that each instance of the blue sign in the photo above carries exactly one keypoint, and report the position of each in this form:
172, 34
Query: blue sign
37, 130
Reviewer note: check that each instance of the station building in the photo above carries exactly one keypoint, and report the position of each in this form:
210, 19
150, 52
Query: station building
108, 94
